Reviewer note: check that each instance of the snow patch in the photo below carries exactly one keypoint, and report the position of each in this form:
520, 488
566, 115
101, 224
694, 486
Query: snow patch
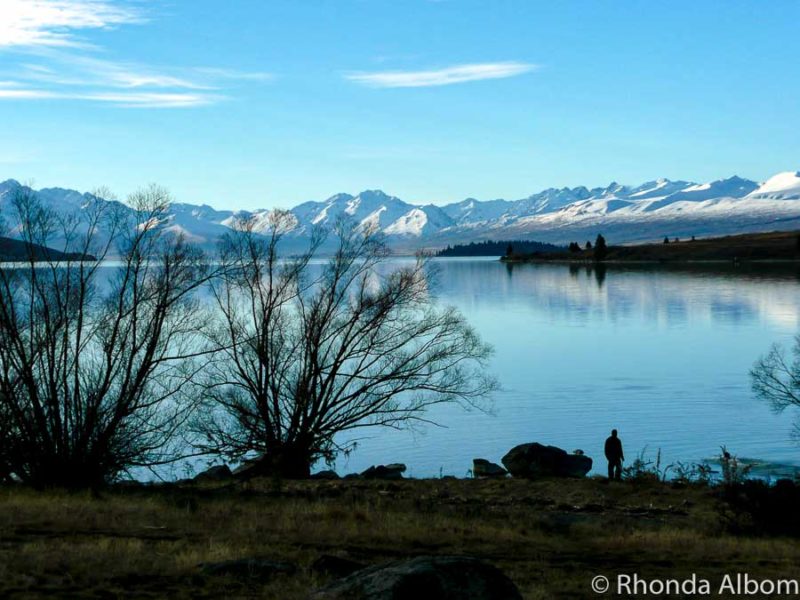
783, 186
352, 206
411, 224
321, 216
372, 220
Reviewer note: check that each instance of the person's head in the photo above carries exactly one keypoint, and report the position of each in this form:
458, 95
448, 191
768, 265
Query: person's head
613, 433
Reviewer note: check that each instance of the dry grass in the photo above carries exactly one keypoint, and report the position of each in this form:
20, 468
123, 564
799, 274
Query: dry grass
550, 537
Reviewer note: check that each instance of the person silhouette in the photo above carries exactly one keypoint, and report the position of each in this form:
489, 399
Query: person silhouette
614, 455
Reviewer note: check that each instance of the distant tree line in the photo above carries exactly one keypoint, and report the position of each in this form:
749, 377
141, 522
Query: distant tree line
600, 249
498, 248
243, 354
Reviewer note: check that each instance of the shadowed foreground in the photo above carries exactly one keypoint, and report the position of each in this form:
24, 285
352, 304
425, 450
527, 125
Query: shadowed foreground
549, 537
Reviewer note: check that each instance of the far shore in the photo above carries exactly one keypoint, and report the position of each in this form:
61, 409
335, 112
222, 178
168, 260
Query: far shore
649, 262
775, 248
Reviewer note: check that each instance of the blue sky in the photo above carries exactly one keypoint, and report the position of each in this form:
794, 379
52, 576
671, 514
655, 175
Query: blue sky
263, 103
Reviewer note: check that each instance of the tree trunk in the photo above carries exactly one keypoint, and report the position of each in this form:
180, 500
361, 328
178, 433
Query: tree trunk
285, 462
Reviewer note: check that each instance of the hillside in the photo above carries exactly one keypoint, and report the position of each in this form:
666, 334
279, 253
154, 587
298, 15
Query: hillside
12, 250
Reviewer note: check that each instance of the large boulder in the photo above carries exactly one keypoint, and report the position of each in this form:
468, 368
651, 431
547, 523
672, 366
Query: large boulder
329, 475
335, 566
441, 577
217, 473
576, 465
280, 466
537, 460
483, 469
393, 471
250, 467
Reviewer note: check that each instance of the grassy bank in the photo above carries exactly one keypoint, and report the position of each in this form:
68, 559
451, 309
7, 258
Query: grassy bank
776, 246
549, 537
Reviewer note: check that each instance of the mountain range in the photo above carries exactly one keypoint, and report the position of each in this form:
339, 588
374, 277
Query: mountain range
622, 213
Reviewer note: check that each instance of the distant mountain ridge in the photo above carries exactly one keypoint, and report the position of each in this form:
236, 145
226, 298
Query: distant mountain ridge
12, 250
625, 213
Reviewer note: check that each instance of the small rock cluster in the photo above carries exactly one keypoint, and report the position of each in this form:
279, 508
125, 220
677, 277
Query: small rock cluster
528, 461
483, 469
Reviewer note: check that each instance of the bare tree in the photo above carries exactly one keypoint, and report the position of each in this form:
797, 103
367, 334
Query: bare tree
93, 358
776, 378
310, 351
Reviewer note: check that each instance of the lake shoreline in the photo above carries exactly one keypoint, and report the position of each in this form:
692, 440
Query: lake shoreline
646, 262
751, 248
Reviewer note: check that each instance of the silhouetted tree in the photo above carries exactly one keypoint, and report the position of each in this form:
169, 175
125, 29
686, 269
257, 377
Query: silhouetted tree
666, 240
509, 250
93, 366
776, 379
310, 353
600, 248
588, 245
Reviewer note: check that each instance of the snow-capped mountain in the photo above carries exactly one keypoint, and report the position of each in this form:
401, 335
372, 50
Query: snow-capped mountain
374, 209
622, 213
198, 223
657, 188
474, 211
783, 186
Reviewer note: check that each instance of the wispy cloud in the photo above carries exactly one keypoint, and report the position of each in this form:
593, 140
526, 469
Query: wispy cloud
77, 70
152, 99
24, 94
123, 85
31, 23
59, 64
445, 76
13, 91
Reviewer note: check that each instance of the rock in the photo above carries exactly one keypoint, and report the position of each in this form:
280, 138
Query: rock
537, 460
397, 467
482, 469
579, 452
248, 568
531, 460
129, 484
336, 565
446, 577
575, 465
274, 467
392, 471
218, 473
325, 475
249, 468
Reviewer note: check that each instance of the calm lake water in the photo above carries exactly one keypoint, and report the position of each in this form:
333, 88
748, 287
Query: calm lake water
662, 355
